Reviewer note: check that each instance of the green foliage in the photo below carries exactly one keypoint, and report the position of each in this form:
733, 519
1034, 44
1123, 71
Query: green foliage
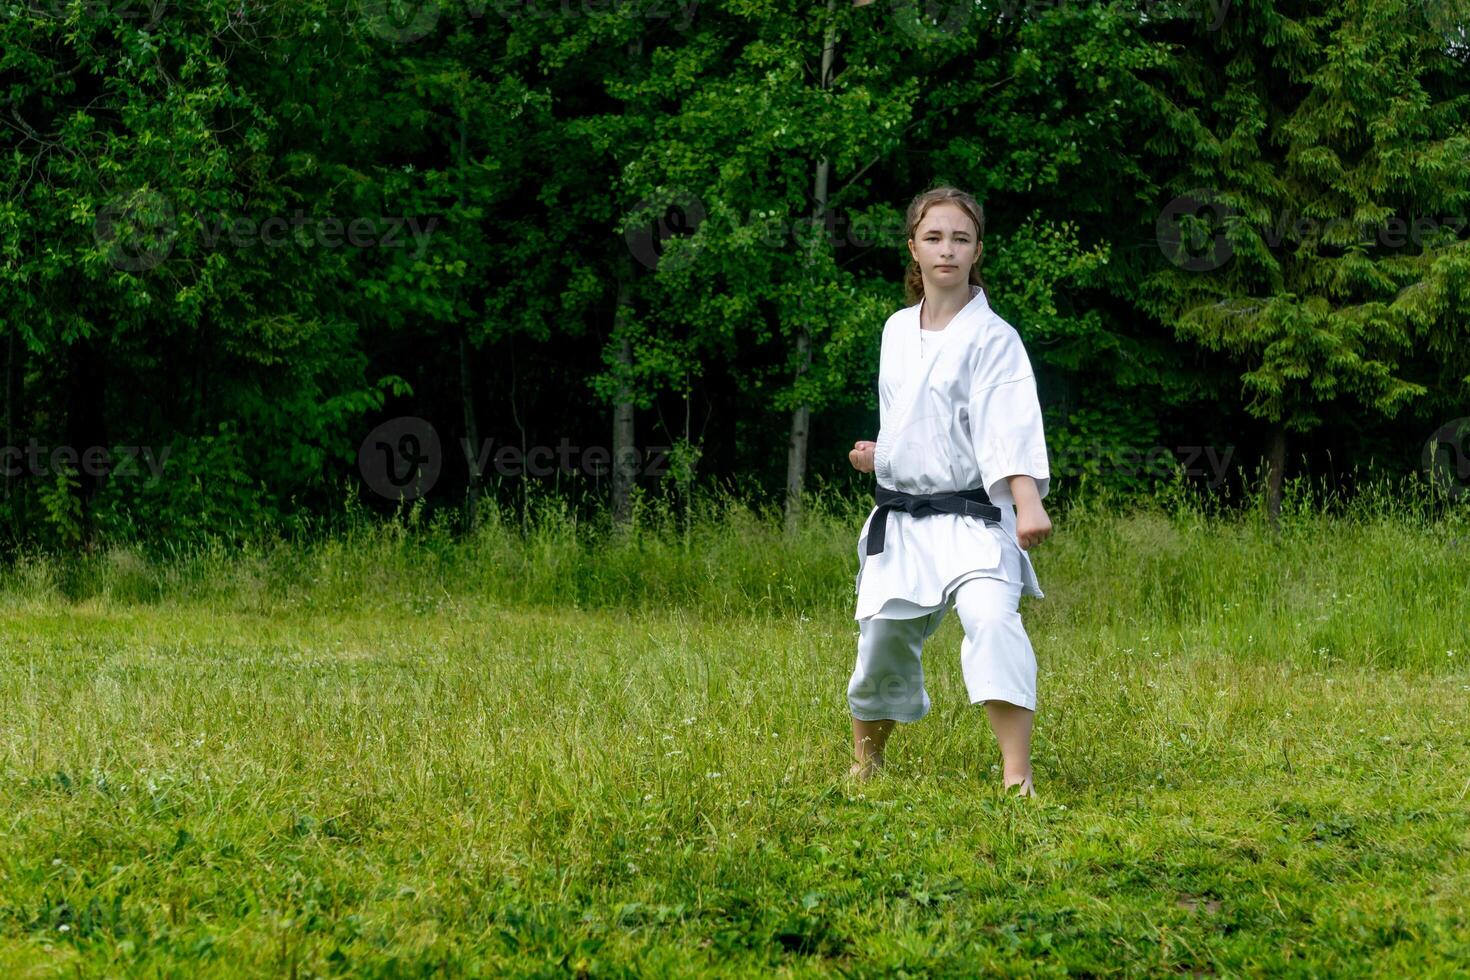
516, 175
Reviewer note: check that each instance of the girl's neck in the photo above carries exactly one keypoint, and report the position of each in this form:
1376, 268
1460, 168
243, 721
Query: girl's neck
937, 307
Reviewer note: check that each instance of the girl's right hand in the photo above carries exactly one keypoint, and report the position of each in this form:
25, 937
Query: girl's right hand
861, 456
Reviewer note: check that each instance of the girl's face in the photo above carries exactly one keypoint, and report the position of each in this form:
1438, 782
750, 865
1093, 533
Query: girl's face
945, 245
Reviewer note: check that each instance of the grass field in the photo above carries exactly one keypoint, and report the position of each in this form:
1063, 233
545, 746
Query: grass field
395, 754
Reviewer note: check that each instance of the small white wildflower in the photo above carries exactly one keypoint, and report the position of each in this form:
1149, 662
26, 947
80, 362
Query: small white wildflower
711, 775
63, 928
689, 721
647, 797
673, 752
55, 862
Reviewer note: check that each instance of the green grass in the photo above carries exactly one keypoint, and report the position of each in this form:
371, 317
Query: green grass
394, 753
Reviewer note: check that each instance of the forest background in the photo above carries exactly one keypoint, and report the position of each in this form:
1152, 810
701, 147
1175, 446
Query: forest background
257, 257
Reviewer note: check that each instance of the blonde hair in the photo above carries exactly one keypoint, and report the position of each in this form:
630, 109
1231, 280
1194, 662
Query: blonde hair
913, 279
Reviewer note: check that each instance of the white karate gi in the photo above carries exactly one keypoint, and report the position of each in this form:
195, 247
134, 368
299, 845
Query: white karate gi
958, 409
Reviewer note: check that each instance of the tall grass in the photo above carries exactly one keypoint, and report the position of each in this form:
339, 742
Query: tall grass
1179, 557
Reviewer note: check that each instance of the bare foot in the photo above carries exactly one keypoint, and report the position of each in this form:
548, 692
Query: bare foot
1022, 788
865, 770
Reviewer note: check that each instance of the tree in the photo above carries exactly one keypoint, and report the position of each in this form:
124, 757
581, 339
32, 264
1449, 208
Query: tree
1312, 140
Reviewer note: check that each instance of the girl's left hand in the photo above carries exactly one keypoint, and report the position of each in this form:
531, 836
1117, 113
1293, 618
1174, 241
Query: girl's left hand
1032, 526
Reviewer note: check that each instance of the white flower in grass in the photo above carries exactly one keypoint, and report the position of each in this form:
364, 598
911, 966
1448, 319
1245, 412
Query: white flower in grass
63, 928
712, 775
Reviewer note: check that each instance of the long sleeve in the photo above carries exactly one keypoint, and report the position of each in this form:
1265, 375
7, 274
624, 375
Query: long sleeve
1005, 418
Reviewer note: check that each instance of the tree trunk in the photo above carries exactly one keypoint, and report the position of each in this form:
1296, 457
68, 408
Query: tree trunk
10, 365
801, 420
471, 432
624, 452
801, 416
466, 383
86, 421
1275, 470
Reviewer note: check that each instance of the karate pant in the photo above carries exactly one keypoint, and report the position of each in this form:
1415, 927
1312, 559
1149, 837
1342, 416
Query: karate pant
995, 657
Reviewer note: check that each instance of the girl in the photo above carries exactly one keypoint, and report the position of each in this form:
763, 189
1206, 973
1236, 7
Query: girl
961, 469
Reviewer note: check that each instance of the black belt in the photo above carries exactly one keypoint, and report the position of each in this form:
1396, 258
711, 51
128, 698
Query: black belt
971, 503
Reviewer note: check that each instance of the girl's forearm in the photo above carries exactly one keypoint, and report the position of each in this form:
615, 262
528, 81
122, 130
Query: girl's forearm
1023, 491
